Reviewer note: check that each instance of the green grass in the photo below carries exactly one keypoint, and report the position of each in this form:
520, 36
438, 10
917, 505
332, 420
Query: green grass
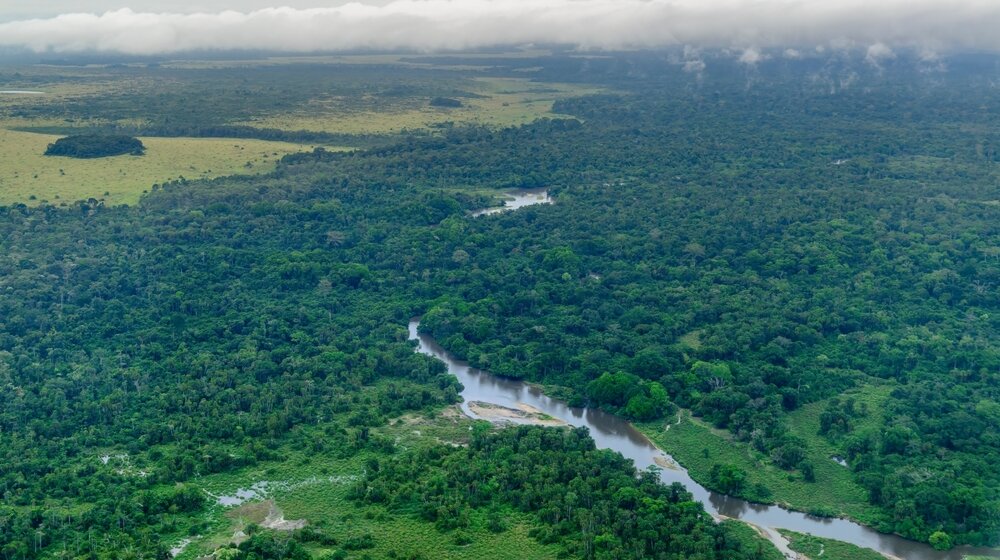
504, 102
692, 340
827, 549
697, 446
407, 534
315, 487
28, 176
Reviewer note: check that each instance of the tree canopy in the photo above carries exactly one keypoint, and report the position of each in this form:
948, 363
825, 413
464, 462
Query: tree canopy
89, 146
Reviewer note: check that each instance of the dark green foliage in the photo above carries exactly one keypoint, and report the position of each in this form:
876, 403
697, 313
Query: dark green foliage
195, 130
446, 102
808, 471
630, 396
728, 478
266, 546
89, 146
182, 498
590, 501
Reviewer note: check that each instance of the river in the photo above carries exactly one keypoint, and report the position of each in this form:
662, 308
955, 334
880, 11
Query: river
612, 432
517, 199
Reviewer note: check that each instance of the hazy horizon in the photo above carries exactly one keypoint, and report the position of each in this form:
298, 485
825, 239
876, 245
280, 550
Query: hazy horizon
746, 27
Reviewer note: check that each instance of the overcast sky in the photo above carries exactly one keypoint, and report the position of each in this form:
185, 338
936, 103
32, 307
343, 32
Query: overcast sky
22, 9
881, 27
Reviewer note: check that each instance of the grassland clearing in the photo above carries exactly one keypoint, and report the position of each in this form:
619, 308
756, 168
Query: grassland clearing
497, 102
698, 447
28, 176
354, 98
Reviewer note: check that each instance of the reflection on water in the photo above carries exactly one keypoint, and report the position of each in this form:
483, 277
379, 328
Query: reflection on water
612, 432
518, 199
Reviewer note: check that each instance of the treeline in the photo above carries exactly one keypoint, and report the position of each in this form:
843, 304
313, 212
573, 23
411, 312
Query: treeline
255, 133
219, 131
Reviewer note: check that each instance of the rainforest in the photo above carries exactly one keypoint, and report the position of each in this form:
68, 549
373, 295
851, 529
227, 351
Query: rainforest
784, 275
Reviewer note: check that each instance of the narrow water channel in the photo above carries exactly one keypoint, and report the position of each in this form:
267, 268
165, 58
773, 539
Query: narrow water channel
615, 433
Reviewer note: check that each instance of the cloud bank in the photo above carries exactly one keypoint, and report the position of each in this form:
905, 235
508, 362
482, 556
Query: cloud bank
877, 26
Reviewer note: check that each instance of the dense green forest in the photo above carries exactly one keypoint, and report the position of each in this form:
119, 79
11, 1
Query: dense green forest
593, 500
736, 251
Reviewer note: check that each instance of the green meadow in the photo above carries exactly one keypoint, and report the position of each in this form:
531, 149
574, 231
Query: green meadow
698, 446
27, 176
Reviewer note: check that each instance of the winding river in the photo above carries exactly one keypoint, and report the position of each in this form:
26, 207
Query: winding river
615, 433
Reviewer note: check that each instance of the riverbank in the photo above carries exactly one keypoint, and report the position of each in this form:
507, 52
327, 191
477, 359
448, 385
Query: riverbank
699, 447
812, 548
689, 438
523, 414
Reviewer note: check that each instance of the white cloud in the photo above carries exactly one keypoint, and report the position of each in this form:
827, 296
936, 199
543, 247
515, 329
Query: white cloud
694, 66
878, 53
751, 56
592, 24
693, 62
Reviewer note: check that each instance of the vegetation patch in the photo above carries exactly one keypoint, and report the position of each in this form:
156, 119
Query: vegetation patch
717, 461
90, 146
827, 549
445, 102
752, 541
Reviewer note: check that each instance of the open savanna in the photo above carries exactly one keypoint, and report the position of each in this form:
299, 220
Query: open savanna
497, 102
698, 447
28, 176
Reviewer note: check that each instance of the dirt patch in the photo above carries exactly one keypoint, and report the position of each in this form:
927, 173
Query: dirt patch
276, 520
266, 514
179, 548
523, 414
453, 413
252, 512
239, 536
